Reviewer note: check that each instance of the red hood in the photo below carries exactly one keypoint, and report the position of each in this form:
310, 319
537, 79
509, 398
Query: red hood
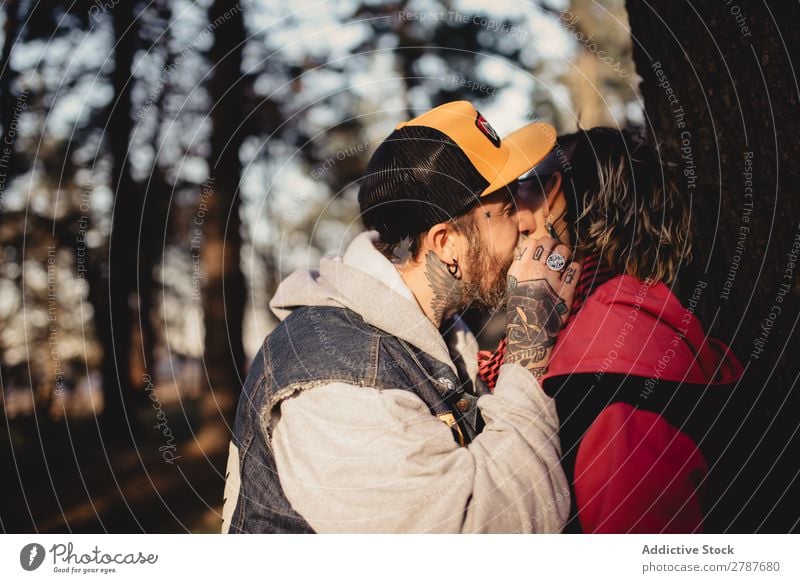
628, 327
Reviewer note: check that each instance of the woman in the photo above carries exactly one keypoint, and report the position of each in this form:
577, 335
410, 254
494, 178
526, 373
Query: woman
636, 381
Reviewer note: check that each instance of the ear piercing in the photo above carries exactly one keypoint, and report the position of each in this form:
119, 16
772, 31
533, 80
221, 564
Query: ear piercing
452, 269
550, 229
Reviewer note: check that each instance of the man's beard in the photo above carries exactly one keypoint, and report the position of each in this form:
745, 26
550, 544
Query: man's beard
489, 274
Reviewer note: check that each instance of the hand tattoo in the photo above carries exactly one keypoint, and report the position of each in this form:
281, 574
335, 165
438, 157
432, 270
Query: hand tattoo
538, 372
534, 319
512, 284
537, 254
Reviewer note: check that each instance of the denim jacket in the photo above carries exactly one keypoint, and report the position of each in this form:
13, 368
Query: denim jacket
336, 346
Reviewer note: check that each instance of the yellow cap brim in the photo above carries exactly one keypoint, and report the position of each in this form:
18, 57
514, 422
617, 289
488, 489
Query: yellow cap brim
526, 148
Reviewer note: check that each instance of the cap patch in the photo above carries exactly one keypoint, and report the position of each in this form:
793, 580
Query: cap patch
487, 130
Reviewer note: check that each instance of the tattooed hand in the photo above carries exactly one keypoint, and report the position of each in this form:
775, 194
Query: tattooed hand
539, 300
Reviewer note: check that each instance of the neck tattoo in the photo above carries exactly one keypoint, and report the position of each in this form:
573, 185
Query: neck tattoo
448, 293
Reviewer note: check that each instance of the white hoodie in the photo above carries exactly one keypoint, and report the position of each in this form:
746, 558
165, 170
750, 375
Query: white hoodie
354, 459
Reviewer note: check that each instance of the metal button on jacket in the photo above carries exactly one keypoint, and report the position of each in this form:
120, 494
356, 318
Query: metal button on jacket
446, 383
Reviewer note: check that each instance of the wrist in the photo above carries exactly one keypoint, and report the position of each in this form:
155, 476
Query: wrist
534, 358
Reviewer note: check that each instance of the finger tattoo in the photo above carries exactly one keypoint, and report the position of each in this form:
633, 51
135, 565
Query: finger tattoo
562, 308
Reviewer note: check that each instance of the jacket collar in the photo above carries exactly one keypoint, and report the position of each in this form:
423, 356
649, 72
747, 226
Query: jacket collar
364, 281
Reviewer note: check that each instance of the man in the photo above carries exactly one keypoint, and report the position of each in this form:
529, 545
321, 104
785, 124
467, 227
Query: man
361, 413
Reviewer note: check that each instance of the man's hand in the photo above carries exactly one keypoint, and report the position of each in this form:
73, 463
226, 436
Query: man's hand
539, 301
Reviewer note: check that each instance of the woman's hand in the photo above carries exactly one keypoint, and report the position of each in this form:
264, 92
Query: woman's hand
540, 295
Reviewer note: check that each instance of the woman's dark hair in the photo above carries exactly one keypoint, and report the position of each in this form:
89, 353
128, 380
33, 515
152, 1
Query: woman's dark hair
621, 205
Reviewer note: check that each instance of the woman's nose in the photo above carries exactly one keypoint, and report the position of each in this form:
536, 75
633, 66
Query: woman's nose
528, 200
526, 219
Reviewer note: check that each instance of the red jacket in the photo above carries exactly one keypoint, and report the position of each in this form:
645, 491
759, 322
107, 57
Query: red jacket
634, 469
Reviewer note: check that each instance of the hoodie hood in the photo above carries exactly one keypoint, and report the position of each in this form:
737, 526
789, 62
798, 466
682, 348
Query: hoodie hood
364, 281
633, 328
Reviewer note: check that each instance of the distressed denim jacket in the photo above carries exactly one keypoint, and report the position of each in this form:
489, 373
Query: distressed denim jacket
315, 346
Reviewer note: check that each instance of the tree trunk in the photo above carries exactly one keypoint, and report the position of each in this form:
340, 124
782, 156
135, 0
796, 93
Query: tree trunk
721, 97
114, 326
152, 237
224, 292
152, 233
9, 101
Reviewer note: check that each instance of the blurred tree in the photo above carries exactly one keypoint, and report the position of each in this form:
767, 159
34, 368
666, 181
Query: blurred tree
601, 75
151, 239
8, 102
39, 191
8, 94
224, 292
114, 323
721, 98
